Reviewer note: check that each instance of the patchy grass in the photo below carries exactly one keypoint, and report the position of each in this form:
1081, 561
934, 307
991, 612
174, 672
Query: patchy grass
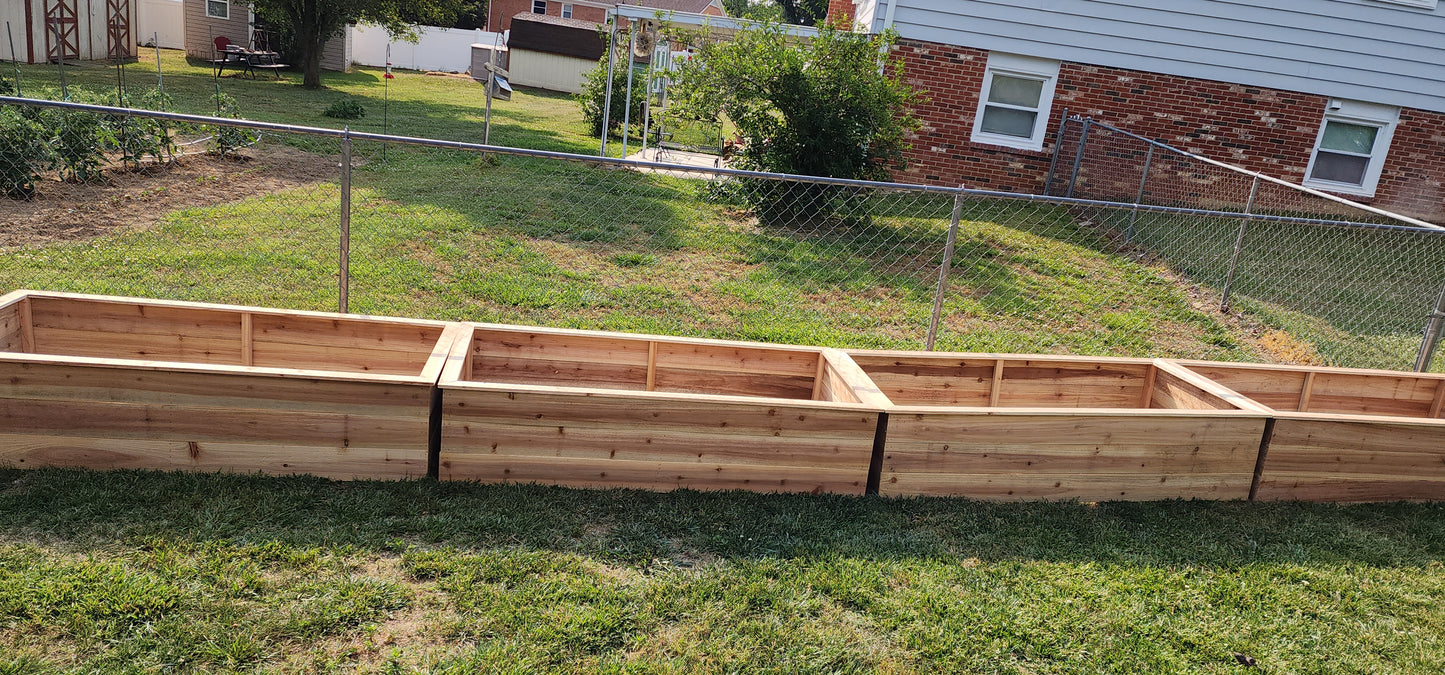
200, 573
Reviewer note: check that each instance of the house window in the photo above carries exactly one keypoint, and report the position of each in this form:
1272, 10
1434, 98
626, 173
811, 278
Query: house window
1013, 109
539, 6
218, 9
1350, 148
566, 11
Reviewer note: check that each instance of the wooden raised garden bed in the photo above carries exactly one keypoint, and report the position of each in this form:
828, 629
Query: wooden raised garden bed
1344, 435
1014, 427
104, 382
595, 409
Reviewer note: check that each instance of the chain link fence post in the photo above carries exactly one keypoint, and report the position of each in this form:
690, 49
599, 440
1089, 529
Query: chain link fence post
943, 269
1139, 197
1058, 148
1238, 245
1079, 157
345, 261
1431, 339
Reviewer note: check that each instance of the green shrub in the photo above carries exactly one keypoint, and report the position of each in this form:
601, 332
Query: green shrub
79, 138
345, 109
227, 140
593, 97
140, 137
24, 153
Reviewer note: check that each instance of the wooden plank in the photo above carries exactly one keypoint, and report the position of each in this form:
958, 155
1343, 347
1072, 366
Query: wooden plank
762, 360
11, 339
818, 379
928, 381
1439, 403
1081, 458
1088, 487
1306, 391
27, 327
673, 379
1146, 398
1398, 395
995, 388
649, 475
1232, 398
923, 433
339, 332
1274, 389
138, 317
187, 305
248, 340
32, 451
270, 354
652, 366
559, 360
1350, 460
860, 387
441, 352
1318, 488
1172, 392
141, 346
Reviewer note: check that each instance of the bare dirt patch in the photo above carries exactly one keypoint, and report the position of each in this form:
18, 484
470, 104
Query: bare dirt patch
125, 200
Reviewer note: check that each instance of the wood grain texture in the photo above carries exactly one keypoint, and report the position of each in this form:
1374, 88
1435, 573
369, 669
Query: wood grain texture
30, 451
1174, 393
1020, 381
652, 441
1090, 455
11, 328
1314, 458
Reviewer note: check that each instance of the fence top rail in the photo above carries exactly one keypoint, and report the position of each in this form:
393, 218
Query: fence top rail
1269, 179
346, 133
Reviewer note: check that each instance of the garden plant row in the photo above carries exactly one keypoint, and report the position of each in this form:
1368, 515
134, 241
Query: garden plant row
108, 382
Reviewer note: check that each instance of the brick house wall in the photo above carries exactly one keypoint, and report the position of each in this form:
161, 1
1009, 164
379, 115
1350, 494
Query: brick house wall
841, 12
1260, 129
500, 13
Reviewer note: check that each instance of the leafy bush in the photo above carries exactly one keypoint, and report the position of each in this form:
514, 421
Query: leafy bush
24, 153
818, 108
140, 137
227, 140
593, 97
345, 109
80, 138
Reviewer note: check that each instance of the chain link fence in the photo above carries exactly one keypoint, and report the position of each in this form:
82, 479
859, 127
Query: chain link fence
319, 218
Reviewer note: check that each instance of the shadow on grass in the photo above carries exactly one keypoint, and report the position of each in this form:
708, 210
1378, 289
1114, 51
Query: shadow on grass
128, 507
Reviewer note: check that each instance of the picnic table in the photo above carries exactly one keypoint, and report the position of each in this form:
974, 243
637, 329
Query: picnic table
248, 61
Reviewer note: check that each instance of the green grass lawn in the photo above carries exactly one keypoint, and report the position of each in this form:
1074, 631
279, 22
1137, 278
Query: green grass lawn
149, 572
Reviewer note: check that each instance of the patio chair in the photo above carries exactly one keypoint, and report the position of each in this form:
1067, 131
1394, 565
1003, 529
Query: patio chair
218, 60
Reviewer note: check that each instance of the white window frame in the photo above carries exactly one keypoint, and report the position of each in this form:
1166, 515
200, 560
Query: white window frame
1028, 67
227, 4
566, 10
1382, 117
535, 3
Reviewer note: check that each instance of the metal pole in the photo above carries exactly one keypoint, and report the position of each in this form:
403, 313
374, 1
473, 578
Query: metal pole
345, 218
1058, 145
60, 60
647, 101
943, 270
1238, 245
607, 109
14, 62
160, 78
1079, 157
627, 109
1433, 328
491, 82
1139, 198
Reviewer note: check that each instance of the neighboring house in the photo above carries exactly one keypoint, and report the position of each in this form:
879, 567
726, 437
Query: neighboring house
501, 12
44, 31
207, 20
1346, 96
551, 52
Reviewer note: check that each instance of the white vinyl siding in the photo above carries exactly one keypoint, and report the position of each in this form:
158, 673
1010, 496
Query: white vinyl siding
1365, 50
218, 9
1350, 149
1014, 104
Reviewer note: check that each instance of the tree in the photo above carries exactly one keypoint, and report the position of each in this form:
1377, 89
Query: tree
307, 24
757, 10
820, 107
804, 12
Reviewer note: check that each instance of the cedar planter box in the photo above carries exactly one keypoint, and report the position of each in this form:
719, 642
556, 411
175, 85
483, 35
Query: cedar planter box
1342, 434
591, 409
1012, 427
104, 382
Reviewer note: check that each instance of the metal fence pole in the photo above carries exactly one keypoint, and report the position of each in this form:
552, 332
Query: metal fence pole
1079, 157
345, 280
627, 110
943, 269
1058, 146
1238, 245
1139, 198
607, 107
1433, 328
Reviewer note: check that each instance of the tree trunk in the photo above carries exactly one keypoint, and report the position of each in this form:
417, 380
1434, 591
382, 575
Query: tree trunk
309, 44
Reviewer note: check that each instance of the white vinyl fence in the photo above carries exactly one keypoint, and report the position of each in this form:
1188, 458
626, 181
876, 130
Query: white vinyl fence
445, 49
